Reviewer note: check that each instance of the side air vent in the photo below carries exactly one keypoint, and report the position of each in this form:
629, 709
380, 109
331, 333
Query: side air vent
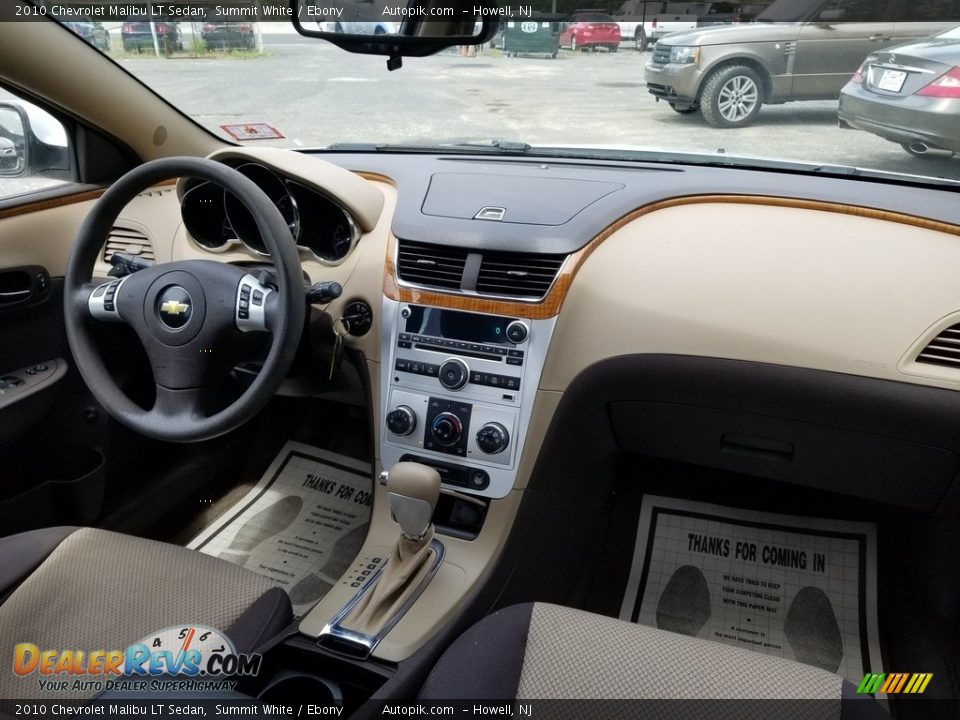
944, 349
430, 265
128, 240
526, 275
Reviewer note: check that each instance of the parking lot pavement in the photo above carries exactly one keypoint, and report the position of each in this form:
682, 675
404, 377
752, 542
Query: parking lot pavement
317, 94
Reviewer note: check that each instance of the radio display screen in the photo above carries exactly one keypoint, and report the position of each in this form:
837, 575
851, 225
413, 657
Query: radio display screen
456, 325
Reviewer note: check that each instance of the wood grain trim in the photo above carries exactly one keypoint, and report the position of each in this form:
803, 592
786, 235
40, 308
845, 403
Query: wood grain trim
63, 200
553, 301
51, 202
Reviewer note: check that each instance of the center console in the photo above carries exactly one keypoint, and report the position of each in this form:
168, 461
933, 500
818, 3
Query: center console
458, 392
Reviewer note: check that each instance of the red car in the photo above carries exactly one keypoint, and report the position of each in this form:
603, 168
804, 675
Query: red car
589, 30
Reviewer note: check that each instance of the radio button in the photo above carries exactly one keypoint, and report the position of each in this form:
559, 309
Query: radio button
517, 332
404, 336
406, 345
416, 338
431, 370
515, 353
402, 365
454, 374
514, 361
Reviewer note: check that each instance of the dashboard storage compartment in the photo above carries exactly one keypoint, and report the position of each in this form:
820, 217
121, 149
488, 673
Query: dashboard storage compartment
63, 486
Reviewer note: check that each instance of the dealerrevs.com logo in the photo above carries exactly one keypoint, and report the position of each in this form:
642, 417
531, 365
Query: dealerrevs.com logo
186, 658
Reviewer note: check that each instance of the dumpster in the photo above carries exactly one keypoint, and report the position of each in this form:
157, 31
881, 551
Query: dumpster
537, 35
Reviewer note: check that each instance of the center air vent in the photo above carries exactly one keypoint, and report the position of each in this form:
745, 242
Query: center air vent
128, 240
526, 275
430, 265
944, 349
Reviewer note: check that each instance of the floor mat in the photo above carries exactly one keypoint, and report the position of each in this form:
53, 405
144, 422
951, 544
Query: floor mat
301, 526
799, 588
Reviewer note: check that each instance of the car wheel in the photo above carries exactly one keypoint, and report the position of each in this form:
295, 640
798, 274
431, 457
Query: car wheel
684, 109
612, 48
573, 43
732, 97
640, 41
553, 57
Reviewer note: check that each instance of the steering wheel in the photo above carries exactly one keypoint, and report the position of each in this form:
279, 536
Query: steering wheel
189, 315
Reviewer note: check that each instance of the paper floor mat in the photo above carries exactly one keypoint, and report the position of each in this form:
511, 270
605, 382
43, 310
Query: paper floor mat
799, 588
301, 526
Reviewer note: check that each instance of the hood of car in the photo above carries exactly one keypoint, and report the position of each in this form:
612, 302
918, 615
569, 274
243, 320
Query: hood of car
753, 32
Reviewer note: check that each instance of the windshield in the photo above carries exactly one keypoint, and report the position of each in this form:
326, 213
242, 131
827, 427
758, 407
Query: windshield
676, 84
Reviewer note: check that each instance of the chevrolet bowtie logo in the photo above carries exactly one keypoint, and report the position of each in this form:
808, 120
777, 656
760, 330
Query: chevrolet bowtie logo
174, 307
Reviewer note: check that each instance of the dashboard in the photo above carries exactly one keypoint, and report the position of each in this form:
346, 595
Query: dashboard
496, 282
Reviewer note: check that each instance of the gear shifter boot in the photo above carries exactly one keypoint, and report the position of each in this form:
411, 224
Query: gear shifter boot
406, 567
413, 490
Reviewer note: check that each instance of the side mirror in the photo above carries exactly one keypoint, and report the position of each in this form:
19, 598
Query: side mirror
32, 142
14, 130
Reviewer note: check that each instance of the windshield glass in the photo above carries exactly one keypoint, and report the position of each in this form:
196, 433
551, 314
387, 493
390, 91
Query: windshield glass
716, 85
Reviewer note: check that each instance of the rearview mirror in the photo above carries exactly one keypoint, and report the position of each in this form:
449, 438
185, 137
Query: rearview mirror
396, 28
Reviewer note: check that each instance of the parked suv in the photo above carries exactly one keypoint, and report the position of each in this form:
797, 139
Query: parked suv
795, 50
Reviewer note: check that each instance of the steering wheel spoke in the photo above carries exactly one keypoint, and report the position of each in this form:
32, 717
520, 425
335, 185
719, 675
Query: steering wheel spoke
183, 404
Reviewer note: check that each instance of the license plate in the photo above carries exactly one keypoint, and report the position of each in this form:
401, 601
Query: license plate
892, 80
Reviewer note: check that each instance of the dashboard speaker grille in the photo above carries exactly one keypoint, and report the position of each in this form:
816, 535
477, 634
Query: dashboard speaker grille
430, 265
944, 349
526, 275
128, 240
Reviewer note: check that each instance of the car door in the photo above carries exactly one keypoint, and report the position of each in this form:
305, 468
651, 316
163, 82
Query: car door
833, 43
52, 433
918, 19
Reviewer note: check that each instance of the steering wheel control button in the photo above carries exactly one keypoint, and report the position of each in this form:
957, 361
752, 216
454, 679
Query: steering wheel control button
517, 332
251, 304
174, 306
402, 420
454, 374
102, 301
492, 438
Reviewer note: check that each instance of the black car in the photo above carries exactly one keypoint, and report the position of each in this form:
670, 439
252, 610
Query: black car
229, 35
93, 32
137, 36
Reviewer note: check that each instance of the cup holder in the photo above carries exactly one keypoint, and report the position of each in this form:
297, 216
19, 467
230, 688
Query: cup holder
289, 686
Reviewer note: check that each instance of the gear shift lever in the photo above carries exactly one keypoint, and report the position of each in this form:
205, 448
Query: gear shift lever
413, 490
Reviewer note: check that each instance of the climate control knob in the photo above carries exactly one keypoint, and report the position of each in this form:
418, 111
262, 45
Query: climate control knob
493, 438
454, 374
402, 420
446, 429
